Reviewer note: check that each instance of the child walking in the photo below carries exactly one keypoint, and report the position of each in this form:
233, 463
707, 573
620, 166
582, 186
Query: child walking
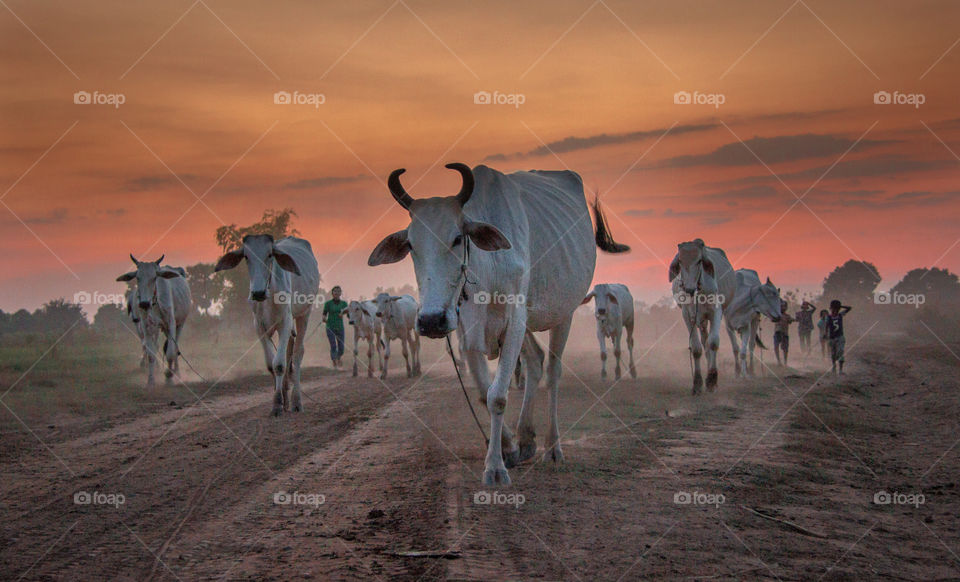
835, 332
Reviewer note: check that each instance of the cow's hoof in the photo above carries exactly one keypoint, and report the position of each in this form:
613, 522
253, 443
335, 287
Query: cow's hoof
696, 390
616, 376
603, 373
511, 458
354, 372
527, 451
297, 408
496, 478
712, 380
553, 454
277, 411
168, 373
633, 373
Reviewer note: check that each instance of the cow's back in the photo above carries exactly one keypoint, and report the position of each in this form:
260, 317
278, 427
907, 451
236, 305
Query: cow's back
624, 301
545, 217
306, 284
723, 273
175, 292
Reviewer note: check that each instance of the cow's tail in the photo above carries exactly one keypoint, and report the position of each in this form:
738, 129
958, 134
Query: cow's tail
760, 343
605, 240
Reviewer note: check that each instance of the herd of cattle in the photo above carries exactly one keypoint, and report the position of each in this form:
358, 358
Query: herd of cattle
502, 236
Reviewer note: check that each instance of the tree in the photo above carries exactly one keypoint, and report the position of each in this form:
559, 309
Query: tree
939, 287
109, 319
206, 287
854, 281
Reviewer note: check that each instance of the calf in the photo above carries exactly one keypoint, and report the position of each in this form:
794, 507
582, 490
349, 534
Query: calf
362, 315
742, 316
399, 317
284, 281
614, 313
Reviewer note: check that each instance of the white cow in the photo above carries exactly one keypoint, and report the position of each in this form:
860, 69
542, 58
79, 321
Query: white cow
703, 281
163, 296
398, 313
284, 282
742, 315
362, 315
140, 323
614, 313
489, 259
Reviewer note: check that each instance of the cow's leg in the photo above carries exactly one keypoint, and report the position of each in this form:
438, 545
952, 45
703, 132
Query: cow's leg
356, 348
267, 344
150, 340
558, 341
751, 346
734, 343
633, 368
370, 341
713, 346
289, 370
495, 471
416, 352
377, 338
616, 353
280, 364
696, 350
532, 357
296, 360
603, 350
405, 346
386, 357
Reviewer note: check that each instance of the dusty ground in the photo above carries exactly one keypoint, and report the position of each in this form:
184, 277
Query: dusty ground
398, 466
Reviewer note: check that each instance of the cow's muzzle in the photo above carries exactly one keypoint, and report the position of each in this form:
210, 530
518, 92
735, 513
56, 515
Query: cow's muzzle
601, 311
258, 295
144, 305
433, 325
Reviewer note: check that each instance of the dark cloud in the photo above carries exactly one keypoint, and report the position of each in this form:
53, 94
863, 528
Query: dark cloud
751, 193
912, 199
55, 216
324, 181
707, 217
575, 143
772, 150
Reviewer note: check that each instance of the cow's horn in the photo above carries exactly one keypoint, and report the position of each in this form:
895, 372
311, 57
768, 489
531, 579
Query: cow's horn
396, 188
161, 258
135, 261
467, 189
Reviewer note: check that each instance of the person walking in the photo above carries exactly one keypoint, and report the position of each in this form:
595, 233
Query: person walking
333, 318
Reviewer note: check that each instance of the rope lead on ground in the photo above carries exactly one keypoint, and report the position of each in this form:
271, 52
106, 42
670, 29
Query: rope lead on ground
465, 395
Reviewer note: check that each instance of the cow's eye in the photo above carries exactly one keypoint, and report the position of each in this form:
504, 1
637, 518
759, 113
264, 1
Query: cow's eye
457, 240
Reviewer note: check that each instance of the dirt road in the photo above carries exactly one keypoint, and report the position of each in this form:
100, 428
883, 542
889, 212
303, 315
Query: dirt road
780, 473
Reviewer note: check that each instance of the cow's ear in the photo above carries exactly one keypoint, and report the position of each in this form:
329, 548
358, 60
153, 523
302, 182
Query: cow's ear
286, 262
708, 266
127, 276
168, 273
395, 298
485, 236
587, 298
613, 298
674, 268
390, 250
229, 260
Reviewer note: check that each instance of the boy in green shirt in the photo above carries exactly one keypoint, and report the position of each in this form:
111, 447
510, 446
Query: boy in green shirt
333, 317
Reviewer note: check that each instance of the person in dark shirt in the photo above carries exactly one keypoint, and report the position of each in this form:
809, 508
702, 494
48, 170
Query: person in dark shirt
822, 324
805, 325
333, 317
835, 337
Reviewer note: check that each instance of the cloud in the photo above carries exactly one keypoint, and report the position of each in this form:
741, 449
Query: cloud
324, 181
55, 216
911, 199
753, 193
155, 182
772, 150
575, 143
707, 217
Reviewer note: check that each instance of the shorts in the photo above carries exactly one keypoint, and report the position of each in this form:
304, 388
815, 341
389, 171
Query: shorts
836, 348
781, 338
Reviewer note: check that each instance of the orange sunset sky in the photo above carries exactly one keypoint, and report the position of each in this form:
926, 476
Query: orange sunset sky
82, 185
